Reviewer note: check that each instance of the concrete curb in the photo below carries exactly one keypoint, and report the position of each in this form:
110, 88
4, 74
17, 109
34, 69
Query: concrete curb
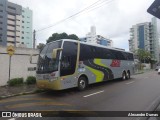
23, 93
18, 94
144, 71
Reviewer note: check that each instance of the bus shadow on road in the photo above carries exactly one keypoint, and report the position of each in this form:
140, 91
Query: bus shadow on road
72, 91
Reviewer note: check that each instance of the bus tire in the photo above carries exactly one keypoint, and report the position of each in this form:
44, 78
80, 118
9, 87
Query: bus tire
82, 83
128, 76
124, 75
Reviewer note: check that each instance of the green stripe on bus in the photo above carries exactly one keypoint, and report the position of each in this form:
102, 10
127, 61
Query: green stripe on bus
98, 62
99, 75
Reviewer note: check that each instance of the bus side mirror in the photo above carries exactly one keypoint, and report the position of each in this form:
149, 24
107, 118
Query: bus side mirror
54, 54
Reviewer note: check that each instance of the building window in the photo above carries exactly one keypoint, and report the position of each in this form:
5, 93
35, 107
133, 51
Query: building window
22, 26
28, 17
28, 22
1, 22
22, 10
27, 27
1, 29
1, 10
22, 32
1, 4
22, 21
1, 16
22, 37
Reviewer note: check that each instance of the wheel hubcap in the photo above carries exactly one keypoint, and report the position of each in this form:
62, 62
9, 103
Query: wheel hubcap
124, 77
82, 83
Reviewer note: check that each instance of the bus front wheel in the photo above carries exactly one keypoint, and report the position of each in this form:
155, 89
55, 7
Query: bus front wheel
82, 83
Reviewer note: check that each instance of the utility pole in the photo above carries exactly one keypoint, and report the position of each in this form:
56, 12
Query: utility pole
34, 39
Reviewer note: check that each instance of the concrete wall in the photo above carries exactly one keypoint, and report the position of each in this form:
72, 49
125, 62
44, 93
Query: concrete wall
147, 66
20, 64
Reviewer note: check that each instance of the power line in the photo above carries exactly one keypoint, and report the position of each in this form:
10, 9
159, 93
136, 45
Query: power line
76, 14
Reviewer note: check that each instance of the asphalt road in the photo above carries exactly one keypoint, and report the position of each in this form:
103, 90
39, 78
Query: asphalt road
140, 93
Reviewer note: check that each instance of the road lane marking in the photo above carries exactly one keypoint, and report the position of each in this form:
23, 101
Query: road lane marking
130, 82
12, 119
93, 93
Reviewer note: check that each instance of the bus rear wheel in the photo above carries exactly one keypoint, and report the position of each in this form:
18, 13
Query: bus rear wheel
128, 75
82, 83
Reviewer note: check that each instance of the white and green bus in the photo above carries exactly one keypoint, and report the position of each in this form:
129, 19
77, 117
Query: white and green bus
65, 63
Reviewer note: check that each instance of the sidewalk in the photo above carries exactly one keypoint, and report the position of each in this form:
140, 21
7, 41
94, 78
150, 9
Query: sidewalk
8, 91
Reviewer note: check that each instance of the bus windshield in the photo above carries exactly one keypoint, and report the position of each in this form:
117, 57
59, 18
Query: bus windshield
46, 64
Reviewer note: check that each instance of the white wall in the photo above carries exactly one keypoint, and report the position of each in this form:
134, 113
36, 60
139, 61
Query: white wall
20, 62
147, 66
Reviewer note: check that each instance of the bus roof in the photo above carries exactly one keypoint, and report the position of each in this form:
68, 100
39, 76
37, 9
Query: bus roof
96, 45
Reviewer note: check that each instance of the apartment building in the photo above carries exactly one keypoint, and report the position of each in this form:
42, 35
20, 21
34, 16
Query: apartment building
27, 27
11, 24
92, 38
145, 36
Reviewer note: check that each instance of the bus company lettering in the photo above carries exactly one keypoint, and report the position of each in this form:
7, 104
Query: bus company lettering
115, 63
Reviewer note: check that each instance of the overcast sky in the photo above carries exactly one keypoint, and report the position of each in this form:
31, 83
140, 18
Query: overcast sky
112, 18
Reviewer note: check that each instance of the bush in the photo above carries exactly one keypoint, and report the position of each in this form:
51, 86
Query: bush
15, 81
31, 80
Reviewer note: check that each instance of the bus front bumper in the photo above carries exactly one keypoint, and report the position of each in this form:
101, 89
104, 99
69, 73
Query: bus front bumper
51, 85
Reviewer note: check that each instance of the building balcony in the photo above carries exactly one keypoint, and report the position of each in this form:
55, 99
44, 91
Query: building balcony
12, 17
18, 34
8, 44
18, 17
18, 28
10, 39
131, 30
18, 23
10, 28
10, 33
10, 22
18, 39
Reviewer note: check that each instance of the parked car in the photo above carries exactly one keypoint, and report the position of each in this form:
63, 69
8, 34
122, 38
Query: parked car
157, 68
159, 71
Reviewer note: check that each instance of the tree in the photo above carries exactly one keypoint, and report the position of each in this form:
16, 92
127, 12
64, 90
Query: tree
143, 56
73, 36
56, 36
40, 46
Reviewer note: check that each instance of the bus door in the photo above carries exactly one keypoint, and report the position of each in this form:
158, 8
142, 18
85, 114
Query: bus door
68, 58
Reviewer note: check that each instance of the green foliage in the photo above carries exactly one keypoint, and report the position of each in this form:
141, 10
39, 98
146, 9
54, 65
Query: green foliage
15, 81
143, 56
40, 46
31, 80
56, 36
